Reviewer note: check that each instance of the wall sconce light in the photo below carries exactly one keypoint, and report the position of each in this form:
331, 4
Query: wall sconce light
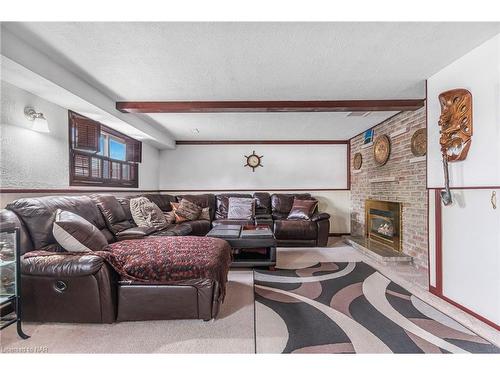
40, 123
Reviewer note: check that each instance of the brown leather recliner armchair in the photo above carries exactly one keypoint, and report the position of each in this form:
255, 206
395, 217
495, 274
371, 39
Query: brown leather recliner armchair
313, 232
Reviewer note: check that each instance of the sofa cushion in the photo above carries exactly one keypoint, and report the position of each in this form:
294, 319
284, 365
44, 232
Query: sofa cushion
205, 214
281, 204
147, 214
295, 230
75, 234
198, 227
241, 208
161, 200
232, 222
125, 202
222, 203
262, 203
115, 216
134, 233
174, 230
302, 209
38, 215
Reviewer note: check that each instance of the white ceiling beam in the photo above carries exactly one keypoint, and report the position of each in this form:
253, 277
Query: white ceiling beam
21, 52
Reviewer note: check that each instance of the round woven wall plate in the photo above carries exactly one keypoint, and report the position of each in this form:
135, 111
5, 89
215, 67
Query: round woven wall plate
358, 161
381, 149
419, 142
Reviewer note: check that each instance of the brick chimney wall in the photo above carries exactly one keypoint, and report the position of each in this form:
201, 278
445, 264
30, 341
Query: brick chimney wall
409, 187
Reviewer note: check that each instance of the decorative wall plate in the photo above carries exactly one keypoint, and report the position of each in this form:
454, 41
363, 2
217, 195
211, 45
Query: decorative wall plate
381, 149
419, 142
358, 161
254, 161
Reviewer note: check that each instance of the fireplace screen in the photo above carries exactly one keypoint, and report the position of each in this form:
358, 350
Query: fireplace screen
383, 223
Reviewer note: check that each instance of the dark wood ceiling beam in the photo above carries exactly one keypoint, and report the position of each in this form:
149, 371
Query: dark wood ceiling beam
271, 106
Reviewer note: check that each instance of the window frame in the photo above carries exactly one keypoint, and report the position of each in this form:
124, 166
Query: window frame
90, 156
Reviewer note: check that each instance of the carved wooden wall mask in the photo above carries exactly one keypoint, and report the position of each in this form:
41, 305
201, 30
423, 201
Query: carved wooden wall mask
456, 123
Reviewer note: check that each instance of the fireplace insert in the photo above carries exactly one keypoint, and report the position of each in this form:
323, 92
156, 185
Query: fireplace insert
383, 222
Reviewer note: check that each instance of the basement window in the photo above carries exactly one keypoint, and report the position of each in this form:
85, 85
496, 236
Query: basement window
101, 156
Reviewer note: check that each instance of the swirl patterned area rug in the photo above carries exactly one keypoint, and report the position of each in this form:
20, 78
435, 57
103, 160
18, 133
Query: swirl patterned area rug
351, 308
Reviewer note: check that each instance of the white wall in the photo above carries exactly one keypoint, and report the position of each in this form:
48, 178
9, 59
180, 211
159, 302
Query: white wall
470, 236
214, 167
220, 167
479, 72
32, 160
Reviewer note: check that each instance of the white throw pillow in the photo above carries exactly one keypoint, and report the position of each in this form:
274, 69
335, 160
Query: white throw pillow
241, 208
75, 234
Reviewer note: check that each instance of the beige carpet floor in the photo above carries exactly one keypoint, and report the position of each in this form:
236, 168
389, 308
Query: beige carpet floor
231, 332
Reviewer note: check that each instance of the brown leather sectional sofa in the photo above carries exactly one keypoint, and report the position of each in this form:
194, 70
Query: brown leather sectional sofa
85, 289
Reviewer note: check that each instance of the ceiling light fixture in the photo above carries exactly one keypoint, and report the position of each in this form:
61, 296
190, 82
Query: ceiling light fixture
40, 123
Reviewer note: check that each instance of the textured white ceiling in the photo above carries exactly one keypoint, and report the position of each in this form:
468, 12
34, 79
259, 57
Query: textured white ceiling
261, 126
257, 61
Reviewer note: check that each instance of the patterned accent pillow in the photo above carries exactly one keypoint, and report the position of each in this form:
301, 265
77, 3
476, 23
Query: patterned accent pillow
205, 214
188, 210
177, 217
147, 214
76, 234
170, 217
241, 208
302, 209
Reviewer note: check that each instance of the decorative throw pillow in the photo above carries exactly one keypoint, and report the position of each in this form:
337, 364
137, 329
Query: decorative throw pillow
177, 217
241, 208
169, 216
76, 234
302, 209
205, 214
147, 214
188, 210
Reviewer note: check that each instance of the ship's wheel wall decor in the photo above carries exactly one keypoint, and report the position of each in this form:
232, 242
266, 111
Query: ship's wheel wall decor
254, 161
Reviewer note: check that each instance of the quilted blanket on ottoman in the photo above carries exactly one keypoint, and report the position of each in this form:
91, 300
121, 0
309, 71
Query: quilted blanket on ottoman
166, 260
170, 259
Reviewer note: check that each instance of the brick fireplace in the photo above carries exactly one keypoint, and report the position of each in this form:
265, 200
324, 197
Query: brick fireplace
402, 179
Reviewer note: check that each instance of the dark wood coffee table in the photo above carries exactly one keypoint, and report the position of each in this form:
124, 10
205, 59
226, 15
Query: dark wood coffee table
253, 245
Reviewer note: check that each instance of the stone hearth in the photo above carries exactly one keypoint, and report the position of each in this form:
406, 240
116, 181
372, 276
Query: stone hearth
375, 250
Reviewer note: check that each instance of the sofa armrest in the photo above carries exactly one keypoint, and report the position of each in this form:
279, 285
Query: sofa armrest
61, 265
320, 216
134, 233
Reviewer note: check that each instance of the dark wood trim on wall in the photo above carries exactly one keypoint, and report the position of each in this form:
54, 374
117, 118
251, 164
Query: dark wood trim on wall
253, 190
66, 191
467, 188
263, 142
438, 241
349, 165
270, 106
69, 191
